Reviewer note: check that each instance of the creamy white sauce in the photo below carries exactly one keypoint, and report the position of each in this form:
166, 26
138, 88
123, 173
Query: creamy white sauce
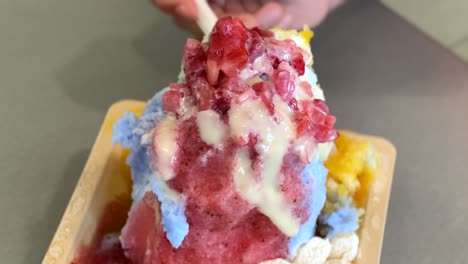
306, 148
165, 146
212, 129
274, 139
260, 65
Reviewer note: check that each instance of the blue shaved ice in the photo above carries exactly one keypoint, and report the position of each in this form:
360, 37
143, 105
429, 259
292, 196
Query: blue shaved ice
343, 220
314, 174
133, 133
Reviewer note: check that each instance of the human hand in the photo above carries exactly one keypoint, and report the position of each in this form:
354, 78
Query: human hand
286, 14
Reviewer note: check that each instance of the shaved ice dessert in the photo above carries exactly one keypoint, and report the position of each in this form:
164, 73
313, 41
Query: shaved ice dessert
230, 164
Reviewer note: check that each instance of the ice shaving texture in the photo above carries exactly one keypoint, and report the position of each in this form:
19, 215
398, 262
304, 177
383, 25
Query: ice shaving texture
314, 174
352, 167
342, 249
351, 171
232, 160
344, 220
133, 133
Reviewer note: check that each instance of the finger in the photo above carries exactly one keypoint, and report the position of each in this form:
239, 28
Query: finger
167, 5
248, 19
186, 11
251, 6
183, 8
312, 16
285, 23
217, 9
233, 7
270, 15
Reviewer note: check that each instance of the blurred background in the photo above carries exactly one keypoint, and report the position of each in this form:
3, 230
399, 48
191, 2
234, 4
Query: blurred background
392, 69
444, 21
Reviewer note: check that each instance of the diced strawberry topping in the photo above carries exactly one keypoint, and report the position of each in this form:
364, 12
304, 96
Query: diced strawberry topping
284, 85
247, 95
212, 71
214, 77
329, 121
194, 59
298, 63
235, 85
202, 93
320, 104
256, 45
227, 51
293, 104
240, 64
287, 50
306, 88
315, 120
222, 101
263, 33
265, 91
172, 100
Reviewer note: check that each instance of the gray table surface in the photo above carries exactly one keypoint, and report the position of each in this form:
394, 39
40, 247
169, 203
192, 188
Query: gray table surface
62, 63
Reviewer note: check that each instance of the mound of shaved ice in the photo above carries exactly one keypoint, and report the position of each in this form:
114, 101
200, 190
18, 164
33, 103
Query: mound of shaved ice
196, 213
224, 228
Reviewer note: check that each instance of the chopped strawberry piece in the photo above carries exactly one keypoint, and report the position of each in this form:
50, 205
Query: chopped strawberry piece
205, 101
329, 122
307, 106
287, 51
172, 100
315, 120
317, 116
284, 86
194, 58
222, 102
249, 94
235, 85
298, 63
267, 100
325, 135
227, 50
265, 91
234, 61
321, 105
256, 46
212, 71
302, 126
263, 33
293, 104
306, 88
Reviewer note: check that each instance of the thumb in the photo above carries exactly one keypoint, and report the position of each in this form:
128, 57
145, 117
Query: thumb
272, 15
249, 20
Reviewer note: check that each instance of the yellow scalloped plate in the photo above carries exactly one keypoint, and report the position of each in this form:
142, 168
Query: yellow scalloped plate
106, 177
